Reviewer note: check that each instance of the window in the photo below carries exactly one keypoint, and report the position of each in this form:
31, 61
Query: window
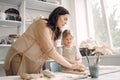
106, 18
100, 30
113, 8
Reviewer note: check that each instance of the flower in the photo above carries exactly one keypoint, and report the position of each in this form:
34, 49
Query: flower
94, 47
104, 50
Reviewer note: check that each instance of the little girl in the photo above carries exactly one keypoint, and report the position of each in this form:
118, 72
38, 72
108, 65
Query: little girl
69, 52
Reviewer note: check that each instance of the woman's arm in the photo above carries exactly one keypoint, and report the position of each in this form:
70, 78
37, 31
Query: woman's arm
60, 59
43, 37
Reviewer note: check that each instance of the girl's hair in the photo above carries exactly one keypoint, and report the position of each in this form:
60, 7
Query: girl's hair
53, 18
66, 33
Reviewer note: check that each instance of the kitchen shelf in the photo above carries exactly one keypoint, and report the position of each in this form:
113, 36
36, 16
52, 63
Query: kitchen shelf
10, 23
13, 2
22, 6
5, 45
1, 62
40, 5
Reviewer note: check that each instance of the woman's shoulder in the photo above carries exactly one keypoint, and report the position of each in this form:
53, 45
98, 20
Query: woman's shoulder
41, 24
40, 21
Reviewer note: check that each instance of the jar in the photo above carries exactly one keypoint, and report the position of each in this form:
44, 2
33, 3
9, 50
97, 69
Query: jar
12, 38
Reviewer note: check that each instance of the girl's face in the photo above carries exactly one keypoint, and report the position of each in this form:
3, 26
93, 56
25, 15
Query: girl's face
68, 41
62, 20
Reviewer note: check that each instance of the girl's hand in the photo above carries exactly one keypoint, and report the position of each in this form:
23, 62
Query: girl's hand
81, 68
78, 67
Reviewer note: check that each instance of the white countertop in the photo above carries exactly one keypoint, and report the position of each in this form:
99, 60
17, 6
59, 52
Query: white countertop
111, 76
106, 73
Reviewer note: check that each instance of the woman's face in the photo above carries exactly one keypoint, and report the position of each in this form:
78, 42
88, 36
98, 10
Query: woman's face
62, 20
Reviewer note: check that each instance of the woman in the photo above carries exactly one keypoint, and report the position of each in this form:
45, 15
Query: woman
29, 52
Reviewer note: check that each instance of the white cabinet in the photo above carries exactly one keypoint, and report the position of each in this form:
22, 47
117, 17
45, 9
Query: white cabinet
23, 6
7, 27
40, 5
10, 23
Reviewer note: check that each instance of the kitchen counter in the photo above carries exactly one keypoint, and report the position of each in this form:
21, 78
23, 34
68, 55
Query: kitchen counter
110, 76
58, 76
106, 73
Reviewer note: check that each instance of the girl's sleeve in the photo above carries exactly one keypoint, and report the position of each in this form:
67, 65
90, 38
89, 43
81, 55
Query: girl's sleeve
78, 55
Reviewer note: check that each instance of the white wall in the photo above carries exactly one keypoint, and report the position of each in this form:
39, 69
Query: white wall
77, 22
81, 24
78, 19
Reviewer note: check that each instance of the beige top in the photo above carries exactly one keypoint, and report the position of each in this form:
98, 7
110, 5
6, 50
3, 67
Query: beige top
71, 53
33, 45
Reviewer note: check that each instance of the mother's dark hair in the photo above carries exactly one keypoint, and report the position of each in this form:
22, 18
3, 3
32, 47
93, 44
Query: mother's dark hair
53, 18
